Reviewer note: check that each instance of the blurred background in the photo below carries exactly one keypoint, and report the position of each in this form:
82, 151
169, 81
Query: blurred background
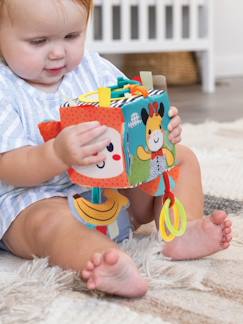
196, 44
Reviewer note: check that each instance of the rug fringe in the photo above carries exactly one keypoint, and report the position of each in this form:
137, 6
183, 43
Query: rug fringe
26, 295
237, 230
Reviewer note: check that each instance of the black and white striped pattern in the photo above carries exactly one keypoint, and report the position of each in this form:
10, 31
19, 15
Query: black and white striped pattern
114, 103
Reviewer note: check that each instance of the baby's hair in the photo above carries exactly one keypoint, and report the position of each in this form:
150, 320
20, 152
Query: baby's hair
88, 4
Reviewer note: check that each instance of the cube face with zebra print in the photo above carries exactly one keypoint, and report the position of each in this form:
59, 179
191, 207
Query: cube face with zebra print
139, 151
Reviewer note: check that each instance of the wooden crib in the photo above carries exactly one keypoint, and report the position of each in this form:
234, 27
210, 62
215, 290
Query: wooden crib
141, 26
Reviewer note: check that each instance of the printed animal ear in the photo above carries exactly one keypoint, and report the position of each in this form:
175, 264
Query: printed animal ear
144, 115
161, 109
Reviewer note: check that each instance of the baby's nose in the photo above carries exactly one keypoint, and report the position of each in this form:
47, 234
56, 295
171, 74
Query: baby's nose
56, 52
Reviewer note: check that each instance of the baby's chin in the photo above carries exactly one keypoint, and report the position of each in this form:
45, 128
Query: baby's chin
46, 85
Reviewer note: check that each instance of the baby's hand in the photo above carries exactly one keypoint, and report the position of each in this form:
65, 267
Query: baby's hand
81, 144
174, 126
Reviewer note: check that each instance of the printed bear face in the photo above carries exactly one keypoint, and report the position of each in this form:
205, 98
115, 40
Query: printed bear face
153, 122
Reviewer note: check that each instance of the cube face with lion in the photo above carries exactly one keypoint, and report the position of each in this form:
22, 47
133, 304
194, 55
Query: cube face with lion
139, 150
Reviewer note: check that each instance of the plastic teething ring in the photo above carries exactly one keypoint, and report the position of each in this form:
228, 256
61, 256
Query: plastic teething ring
180, 214
179, 218
162, 222
138, 89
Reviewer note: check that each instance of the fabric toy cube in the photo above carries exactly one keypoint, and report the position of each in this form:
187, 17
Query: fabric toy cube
137, 120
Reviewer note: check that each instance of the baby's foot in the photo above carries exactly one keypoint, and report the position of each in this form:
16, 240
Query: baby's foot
113, 272
203, 237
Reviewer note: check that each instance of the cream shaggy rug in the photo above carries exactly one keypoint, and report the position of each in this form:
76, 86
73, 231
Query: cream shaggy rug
209, 290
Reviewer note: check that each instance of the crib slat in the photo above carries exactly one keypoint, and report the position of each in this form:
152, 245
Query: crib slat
143, 20
125, 20
107, 20
160, 19
177, 21
193, 18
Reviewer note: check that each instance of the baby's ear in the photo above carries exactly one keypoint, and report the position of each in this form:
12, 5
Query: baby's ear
161, 109
144, 116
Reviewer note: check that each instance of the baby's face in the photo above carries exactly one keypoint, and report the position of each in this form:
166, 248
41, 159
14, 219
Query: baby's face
43, 40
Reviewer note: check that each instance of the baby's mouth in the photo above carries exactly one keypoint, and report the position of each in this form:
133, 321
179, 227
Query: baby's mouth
55, 71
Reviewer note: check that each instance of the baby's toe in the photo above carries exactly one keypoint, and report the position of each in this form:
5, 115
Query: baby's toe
86, 274
227, 230
97, 259
91, 284
89, 266
227, 223
225, 245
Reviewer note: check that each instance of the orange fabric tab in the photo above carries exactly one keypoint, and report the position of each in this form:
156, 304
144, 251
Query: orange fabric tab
49, 129
175, 172
150, 187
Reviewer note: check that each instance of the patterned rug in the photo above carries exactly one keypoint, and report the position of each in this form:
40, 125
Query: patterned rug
209, 290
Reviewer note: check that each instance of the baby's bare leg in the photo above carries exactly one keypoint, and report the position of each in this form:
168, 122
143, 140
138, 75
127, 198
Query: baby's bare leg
145, 208
204, 235
188, 187
47, 228
141, 209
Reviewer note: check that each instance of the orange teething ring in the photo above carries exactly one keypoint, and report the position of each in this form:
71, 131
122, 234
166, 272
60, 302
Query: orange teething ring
138, 89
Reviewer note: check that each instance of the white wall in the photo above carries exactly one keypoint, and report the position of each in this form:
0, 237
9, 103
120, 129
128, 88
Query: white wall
228, 37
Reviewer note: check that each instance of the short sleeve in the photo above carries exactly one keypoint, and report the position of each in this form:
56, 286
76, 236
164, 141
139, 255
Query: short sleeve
11, 128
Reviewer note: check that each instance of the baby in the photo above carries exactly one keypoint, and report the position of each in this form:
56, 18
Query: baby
44, 63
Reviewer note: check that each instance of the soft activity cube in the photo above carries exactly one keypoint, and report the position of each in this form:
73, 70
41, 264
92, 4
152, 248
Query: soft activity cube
139, 154
137, 120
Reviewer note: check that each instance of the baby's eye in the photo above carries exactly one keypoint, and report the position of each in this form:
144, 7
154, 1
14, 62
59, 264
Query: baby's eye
72, 36
149, 131
38, 41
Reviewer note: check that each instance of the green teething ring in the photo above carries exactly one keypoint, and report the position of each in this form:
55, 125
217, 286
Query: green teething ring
162, 223
179, 208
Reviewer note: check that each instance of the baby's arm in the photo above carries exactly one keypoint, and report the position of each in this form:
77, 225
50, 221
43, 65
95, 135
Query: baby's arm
32, 165
174, 126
